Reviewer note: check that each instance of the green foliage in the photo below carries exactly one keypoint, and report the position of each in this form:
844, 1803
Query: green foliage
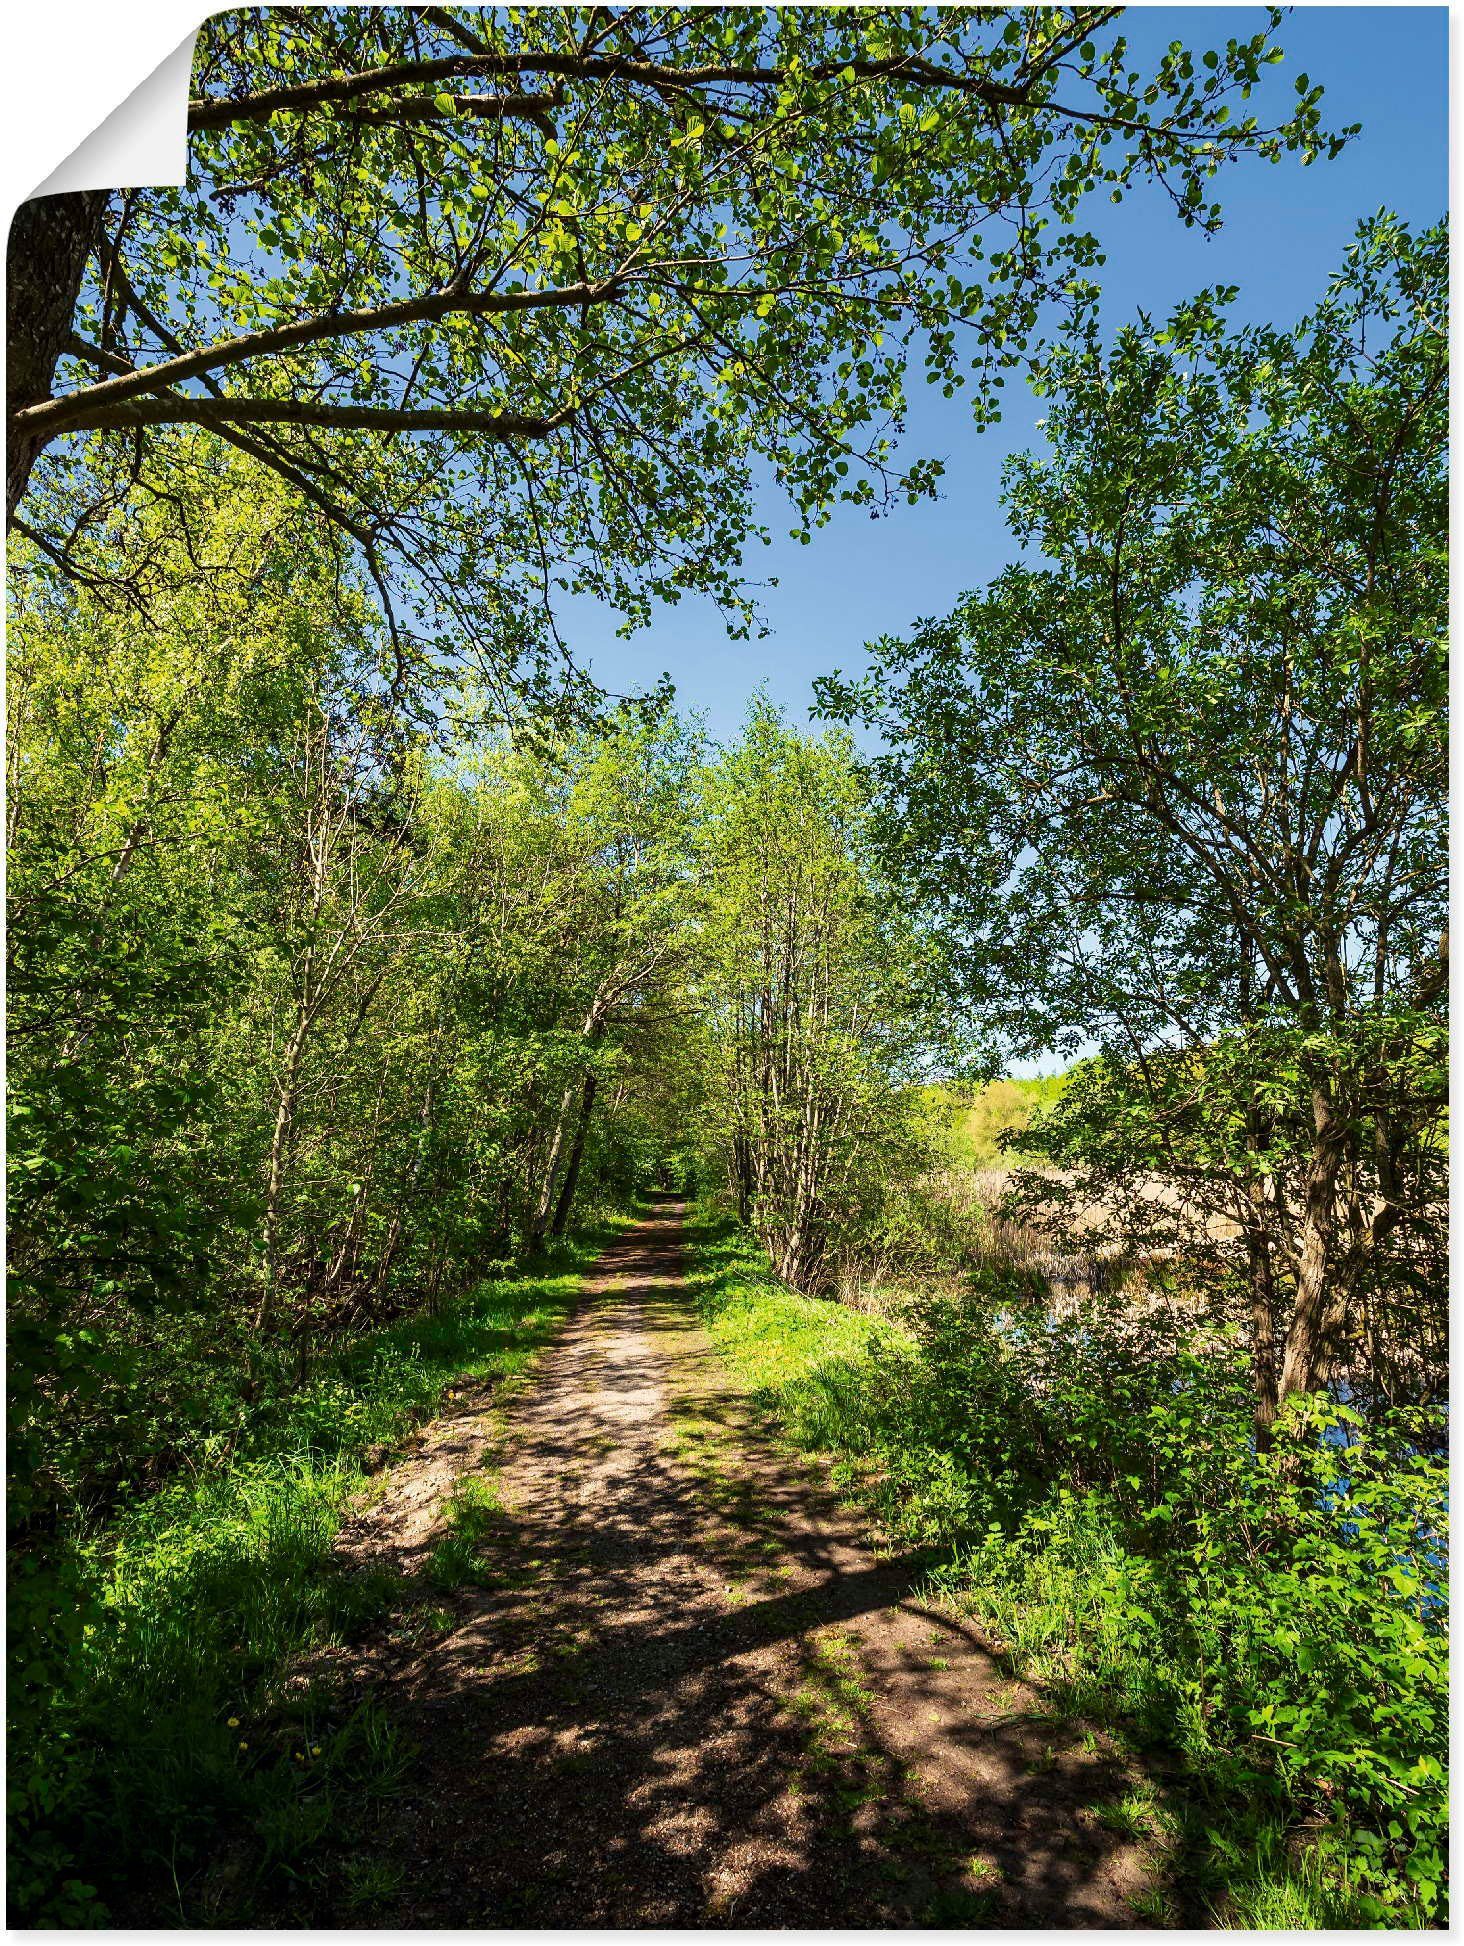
296, 1004
484, 285
818, 989
1092, 1493
1176, 785
169, 1722
977, 1118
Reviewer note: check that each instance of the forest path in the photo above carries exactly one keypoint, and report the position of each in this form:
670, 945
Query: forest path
683, 1688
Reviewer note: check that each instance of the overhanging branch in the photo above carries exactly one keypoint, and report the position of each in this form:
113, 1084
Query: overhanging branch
334, 90
176, 409
78, 409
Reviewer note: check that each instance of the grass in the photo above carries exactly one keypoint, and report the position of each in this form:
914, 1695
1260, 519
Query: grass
797, 1357
957, 1905
473, 1512
1283, 1892
186, 1772
780, 1345
1139, 1813
807, 1364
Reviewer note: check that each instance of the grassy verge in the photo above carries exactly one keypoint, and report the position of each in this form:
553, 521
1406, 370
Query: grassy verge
1291, 1696
178, 1779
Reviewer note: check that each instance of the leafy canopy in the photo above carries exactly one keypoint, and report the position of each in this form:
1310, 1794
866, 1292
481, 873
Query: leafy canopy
525, 301
1178, 787
1205, 719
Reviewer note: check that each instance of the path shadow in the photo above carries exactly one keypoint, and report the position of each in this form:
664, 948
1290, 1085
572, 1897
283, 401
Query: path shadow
681, 1695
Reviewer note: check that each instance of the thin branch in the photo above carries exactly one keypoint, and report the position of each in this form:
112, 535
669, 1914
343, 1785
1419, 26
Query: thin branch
497, 108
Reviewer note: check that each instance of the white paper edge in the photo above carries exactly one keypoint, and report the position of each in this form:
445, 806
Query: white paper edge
143, 143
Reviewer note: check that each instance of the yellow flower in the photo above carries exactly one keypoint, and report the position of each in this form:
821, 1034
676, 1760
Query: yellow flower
233, 1722
243, 1746
315, 1749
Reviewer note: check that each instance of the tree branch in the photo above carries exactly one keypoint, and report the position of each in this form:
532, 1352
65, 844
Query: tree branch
174, 409
54, 416
304, 96
498, 108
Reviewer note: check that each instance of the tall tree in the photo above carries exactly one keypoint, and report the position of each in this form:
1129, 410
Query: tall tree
487, 286
812, 983
1181, 791
622, 801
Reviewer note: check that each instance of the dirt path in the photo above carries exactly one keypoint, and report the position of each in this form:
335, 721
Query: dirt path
683, 1689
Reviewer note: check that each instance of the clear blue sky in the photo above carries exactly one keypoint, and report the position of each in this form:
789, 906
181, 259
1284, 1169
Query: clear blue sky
1286, 229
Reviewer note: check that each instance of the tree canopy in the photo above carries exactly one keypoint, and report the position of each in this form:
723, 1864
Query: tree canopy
1178, 786
528, 301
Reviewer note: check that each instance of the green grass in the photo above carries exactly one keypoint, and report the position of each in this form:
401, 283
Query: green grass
1074, 1612
177, 1744
474, 1513
798, 1357
1282, 1889
776, 1341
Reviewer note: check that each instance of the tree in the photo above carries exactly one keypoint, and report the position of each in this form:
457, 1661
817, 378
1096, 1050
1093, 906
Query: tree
1180, 790
623, 808
815, 1018
487, 287
294, 1007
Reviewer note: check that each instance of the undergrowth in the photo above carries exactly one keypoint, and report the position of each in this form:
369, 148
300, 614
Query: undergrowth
1274, 1629
175, 1760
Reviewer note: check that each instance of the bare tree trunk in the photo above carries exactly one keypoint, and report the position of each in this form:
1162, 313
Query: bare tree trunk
742, 1168
50, 241
1263, 1334
1317, 1294
539, 1228
348, 1248
576, 1156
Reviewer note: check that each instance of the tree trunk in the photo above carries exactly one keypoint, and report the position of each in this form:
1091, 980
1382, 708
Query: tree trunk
742, 1168
50, 241
576, 1156
539, 1228
1263, 1335
1317, 1297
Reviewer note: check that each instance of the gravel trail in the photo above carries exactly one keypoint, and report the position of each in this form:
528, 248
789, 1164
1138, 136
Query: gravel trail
684, 1688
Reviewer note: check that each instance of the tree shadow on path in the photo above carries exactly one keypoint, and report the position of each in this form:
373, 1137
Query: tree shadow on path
682, 1689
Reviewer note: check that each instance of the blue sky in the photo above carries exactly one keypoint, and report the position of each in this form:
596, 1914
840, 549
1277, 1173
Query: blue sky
1286, 229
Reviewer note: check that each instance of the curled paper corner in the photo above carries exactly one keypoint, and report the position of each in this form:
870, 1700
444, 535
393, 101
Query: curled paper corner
143, 143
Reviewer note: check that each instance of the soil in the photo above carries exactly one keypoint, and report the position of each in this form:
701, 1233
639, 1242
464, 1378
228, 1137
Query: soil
685, 1687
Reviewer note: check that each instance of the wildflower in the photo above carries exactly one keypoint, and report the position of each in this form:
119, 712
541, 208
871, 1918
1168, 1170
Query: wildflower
243, 1746
233, 1722
315, 1749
